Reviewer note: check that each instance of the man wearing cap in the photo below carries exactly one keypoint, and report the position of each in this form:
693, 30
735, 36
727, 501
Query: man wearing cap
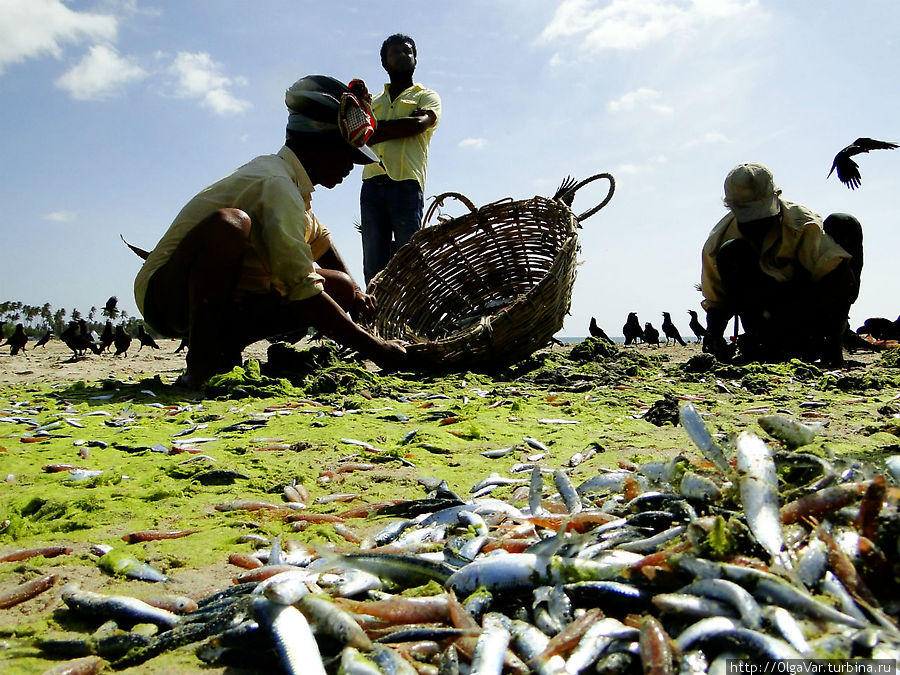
788, 275
391, 199
247, 259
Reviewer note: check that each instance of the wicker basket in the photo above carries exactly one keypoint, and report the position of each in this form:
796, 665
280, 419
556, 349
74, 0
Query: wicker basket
486, 289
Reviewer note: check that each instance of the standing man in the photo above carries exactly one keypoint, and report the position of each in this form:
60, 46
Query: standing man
788, 275
391, 199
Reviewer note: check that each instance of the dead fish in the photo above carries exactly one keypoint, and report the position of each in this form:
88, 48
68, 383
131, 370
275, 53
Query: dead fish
699, 434
500, 452
759, 494
119, 607
545, 420
27, 590
536, 444
119, 563
793, 434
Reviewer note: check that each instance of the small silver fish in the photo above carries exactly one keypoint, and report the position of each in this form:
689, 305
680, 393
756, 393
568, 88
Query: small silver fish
793, 434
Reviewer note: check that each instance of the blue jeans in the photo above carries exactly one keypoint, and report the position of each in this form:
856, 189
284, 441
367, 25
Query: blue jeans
390, 213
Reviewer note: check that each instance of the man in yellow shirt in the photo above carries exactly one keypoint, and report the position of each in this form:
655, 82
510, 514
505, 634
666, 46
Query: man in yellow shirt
247, 259
788, 275
391, 199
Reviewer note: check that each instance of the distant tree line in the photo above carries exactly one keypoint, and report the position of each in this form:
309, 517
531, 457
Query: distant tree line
37, 319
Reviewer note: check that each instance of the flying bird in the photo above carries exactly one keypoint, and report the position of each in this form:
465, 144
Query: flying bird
632, 329
696, 327
847, 169
598, 332
121, 340
17, 340
145, 338
564, 191
670, 331
651, 335
110, 309
45, 338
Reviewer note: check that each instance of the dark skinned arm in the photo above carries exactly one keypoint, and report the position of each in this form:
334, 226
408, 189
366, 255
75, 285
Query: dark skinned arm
323, 313
418, 122
363, 306
714, 342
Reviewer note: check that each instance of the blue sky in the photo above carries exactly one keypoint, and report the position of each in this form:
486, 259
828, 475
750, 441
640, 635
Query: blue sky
115, 112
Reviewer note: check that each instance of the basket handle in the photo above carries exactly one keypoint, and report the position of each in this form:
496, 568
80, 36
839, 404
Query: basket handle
612, 188
439, 201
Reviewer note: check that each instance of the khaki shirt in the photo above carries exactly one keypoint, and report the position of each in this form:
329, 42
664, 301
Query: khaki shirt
285, 235
800, 241
404, 158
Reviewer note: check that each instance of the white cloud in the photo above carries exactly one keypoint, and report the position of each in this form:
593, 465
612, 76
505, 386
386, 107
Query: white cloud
643, 97
99, 74
709, 138
633, 24
473, 143
648, 165
61, 216
198, 76
32, 28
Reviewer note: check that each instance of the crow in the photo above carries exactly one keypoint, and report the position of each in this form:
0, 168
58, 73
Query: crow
106, 339
145, 338
881, 328
847, 169
17, 340
182, 346
78, 338
121, 340
695, 326
632, 329
651, 335
45, 338
110, 309
670, 331
564, 191
598, 332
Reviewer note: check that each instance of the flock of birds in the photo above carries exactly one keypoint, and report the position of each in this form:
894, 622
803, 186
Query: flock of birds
80, 338
648, 334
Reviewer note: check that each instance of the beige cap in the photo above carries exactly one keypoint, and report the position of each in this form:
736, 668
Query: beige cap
750, 192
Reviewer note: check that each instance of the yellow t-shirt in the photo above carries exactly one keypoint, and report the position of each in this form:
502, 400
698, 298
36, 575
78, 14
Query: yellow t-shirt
285, 235
404, 158
800, 241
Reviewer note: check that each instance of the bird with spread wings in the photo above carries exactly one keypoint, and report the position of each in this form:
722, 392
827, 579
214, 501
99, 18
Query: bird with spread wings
847, 169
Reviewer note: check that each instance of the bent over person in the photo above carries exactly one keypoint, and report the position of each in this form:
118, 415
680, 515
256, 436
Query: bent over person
789, 276
247, 259
392, 194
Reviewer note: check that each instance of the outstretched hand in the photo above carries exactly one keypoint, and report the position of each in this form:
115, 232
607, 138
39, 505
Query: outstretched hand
364, 307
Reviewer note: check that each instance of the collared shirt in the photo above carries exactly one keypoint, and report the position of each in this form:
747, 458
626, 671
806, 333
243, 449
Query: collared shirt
800, 241
404, 158
285, 235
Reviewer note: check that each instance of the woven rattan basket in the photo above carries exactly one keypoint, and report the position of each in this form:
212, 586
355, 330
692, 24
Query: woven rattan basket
487, 289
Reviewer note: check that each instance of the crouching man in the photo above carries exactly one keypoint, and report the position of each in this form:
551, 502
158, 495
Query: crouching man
247, 259
789, 276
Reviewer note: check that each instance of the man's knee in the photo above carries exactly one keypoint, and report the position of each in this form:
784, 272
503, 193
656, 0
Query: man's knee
340, 286
847, 232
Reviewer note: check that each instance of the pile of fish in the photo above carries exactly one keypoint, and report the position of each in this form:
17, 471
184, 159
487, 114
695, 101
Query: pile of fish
761, 552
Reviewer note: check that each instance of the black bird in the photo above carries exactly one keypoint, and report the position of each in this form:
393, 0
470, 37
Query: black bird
598, 332
77, 338
696, 327
145, 338
45, 338
651, 335
110, 309
632, 329
17, 340
182, 346
564, 191
847, 169
881, 328
121, 340
670, 331
106, 338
